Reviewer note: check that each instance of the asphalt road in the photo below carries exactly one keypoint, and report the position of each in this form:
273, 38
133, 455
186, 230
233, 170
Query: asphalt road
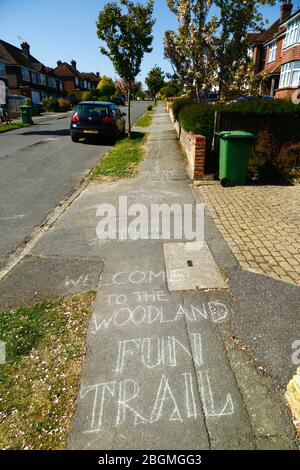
39, 167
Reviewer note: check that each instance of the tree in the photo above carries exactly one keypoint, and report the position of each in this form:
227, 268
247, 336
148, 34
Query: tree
126, 28
231, 45
189, 49
123, 88
212, 50
106, 86
170, 89
155, 80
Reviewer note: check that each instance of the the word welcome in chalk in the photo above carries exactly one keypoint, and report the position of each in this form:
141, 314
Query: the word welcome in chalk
146, 315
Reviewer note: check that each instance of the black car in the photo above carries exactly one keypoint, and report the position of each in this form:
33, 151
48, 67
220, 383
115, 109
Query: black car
97, 119
119, 100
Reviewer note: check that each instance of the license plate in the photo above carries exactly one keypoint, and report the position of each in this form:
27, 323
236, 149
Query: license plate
90, 132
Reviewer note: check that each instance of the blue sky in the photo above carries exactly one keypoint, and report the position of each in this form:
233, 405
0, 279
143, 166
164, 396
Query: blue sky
65, 30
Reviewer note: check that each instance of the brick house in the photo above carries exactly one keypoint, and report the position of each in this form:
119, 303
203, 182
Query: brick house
276, 54
3, 81
26, 75
73, 79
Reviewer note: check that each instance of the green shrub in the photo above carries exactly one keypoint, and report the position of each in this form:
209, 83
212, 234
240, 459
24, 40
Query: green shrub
264, 108
104, 98
87, 96
200, 118
178, 104
149, 107
64, 104
169, 90
289, 161
51, 104
262, 164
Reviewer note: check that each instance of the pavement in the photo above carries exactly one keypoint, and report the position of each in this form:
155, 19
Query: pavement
40, 168
185, 368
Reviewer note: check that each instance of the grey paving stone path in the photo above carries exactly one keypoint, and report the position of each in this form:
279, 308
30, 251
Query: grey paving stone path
162, 369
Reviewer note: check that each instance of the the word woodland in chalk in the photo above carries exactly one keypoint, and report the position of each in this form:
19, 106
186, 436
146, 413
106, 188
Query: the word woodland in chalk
157, 368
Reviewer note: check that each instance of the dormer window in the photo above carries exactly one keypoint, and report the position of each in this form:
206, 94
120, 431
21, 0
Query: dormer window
292, 34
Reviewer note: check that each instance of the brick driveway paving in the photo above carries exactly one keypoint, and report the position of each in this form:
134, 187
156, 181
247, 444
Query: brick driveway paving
261, 224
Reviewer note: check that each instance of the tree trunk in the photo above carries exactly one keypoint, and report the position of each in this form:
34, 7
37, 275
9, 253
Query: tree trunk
129, 116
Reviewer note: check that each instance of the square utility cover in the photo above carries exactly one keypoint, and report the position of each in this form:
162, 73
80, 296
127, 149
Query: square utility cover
191, 266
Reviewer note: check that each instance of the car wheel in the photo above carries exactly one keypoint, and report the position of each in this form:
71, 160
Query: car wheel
74, 138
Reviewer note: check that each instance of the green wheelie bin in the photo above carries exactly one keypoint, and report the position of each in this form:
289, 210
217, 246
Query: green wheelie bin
26, 114
235, 152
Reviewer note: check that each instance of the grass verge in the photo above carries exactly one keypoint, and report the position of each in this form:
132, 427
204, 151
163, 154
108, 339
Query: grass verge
45, 345
123, 158
146, 119
12, 127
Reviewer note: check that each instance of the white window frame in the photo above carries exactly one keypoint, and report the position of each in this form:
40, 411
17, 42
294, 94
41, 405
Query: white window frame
77, 81
272, 52
290, 75
292, 35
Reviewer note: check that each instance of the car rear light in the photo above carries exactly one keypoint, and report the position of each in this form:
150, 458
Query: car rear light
107, 120
75, 117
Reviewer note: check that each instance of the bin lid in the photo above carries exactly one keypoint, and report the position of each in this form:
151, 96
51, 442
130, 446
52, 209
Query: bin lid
241, 135
25, 106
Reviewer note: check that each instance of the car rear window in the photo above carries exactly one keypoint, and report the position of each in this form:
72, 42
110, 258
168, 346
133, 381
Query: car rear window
92, 110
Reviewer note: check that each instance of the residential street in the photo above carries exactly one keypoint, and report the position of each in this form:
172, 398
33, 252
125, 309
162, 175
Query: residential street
163, 369
40, 167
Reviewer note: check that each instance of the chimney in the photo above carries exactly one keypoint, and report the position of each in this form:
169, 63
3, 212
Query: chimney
59, 62
285, 10
98, 74
25, 49
73, 63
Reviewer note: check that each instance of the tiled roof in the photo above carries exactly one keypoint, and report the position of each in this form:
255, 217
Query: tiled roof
270, 32
252, 37
12, 55
70, 72
90, 76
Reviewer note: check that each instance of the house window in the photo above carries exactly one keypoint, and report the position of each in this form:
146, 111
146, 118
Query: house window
272, 52
2, 70
25, 74
76, 81
34, 77
292, 34
42, 79
61, 86
290, 75
51, 82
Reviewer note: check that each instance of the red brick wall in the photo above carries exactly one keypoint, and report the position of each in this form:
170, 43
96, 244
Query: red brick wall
291, 53
194, 147
286, 93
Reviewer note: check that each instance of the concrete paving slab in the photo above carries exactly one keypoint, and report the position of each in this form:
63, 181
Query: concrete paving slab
191, 266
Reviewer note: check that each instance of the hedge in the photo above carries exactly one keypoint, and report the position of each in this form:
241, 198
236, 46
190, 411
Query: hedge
199, 118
